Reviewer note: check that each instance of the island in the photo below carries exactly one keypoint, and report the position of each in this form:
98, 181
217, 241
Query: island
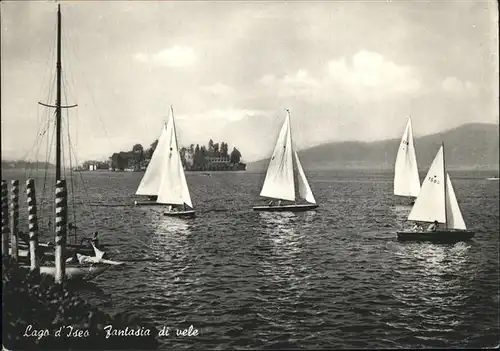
213, 157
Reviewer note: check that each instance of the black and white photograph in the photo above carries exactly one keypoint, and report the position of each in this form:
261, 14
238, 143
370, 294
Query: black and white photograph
236, 174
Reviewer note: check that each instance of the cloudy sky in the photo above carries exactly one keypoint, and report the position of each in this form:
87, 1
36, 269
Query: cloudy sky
346, 70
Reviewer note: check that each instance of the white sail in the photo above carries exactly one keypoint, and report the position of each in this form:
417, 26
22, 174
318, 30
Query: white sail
279, 182
304, 188
150, 183
406, 179
453, 215
173, 187
430, 203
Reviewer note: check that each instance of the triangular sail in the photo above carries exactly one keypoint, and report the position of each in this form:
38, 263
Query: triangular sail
304, 188
406, 179
430, 203
173, 187
150, 183
453, 215
279, 183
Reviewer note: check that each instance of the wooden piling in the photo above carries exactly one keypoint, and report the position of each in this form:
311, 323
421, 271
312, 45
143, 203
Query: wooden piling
5, 219
14, 219
32, 224
61, 221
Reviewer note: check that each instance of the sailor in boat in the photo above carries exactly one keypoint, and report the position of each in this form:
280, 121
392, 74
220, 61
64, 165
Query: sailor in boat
153, 198
417, 228
433, 227
94, 239
270, 203
172, 208
279, 202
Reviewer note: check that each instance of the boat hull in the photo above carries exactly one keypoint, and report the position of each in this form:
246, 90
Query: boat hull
147, 203
286, 208
183, 214
48, 249
77, 272
440, 236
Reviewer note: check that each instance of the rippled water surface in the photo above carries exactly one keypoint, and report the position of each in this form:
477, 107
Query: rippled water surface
334, 278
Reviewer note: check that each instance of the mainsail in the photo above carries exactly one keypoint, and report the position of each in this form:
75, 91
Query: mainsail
173, 187
150, 182
406, 179
279, 183
437, 201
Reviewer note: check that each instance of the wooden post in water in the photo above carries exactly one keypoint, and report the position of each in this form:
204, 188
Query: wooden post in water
5, 219
14, 219
32, 224
61, 219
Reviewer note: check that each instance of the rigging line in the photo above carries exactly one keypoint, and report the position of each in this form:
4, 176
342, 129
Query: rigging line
72, 149
39, 138
47, 114
48, 69
50, 58
70, 163
48, 153
70, 83
36, 145
92, 96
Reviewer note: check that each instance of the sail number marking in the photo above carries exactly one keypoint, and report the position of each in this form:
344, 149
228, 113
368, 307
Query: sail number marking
433, 180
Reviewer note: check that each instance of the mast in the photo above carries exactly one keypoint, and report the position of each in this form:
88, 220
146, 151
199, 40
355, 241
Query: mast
58, 98
445, 188
58, 105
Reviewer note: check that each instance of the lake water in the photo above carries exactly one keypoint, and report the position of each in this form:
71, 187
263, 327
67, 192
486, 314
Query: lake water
334, 278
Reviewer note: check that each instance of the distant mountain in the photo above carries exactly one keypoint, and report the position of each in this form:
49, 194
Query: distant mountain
471, 146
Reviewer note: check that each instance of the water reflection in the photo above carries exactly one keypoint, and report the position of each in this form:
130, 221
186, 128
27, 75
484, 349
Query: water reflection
281, 229
170, 247
169, 233
442, 273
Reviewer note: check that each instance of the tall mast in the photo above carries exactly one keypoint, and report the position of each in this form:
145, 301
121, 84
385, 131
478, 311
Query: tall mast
58, 105
445, 189
58, 96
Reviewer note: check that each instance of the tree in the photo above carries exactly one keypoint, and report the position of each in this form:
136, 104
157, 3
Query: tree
216, 149
196, 156
137, 148
117, 161
138, 152
235, 156
223, 149
149, 152
210, 145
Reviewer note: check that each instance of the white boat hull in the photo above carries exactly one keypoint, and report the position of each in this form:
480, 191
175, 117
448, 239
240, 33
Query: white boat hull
77, 272
286, 208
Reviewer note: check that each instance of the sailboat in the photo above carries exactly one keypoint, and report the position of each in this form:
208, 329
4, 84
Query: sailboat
437, 203
87, 266
406, 178
279, 183
150, 182
173, 190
